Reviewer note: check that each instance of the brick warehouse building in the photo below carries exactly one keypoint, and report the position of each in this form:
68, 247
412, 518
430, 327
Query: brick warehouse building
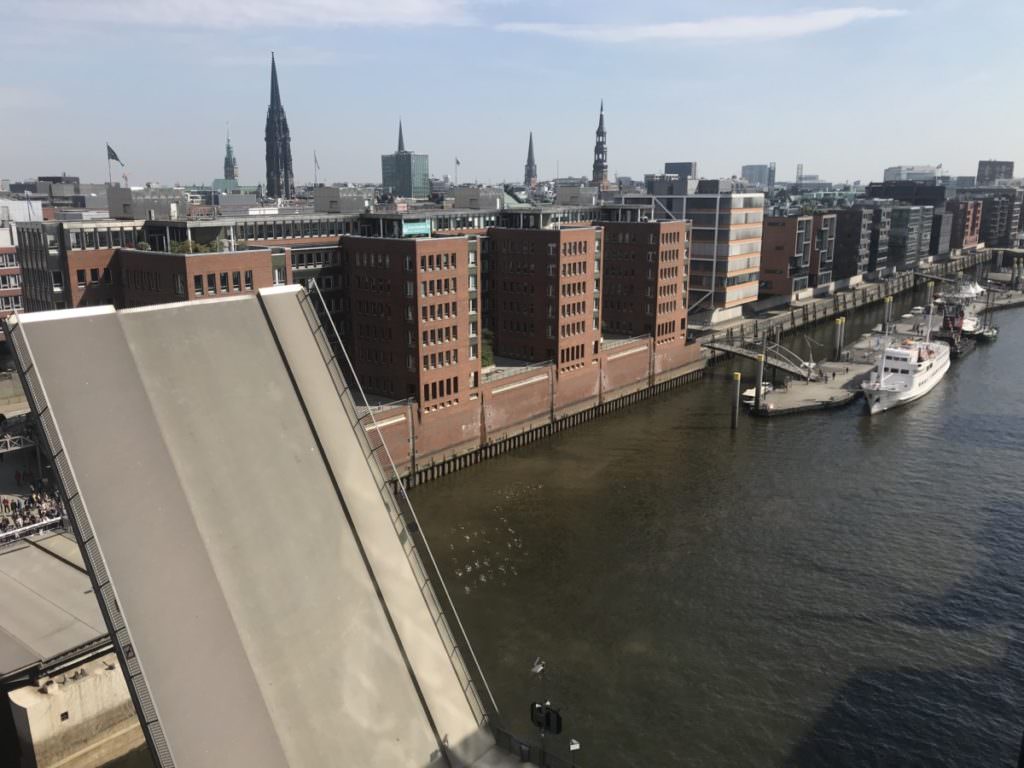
407, 318
645, 273
545, 292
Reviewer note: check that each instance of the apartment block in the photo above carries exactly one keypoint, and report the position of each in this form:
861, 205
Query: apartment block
910, 237
10, 272
644, 283
1000, 215
965, 232
546, 297
942, 232
786, 255
853, 243
408, 320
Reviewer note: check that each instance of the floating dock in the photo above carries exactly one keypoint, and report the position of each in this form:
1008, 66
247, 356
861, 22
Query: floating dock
839, 386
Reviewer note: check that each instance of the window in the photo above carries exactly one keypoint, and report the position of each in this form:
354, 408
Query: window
106, 277
278, 275
211, 283
197, 282
248, 279
179, 285
236, 281
94, 275
58, 280
223, 282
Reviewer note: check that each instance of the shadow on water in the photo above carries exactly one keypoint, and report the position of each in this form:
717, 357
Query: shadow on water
928, 713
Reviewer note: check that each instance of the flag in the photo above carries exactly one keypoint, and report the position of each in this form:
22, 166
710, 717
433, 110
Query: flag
457, 162
112, 155
316, 163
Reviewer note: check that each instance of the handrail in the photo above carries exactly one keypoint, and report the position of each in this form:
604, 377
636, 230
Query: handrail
400, 496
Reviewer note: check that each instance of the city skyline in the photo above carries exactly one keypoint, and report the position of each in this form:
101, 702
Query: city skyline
173, 86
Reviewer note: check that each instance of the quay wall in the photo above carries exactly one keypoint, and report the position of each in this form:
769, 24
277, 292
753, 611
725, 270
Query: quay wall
528, 405
523, 406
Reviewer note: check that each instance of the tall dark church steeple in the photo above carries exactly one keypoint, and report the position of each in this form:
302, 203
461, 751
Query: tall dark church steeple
279, 144
601, 152
530, 175
401, 139
230, 163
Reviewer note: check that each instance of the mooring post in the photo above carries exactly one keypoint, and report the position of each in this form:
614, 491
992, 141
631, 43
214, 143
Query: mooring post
837, 340
737, 378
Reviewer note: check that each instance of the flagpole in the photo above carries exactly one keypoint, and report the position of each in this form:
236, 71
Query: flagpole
110, 178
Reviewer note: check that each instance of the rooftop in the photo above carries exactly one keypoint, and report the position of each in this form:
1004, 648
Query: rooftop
47, 606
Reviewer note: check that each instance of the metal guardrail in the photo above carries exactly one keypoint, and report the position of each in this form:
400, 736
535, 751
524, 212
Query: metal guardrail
400, 509
503, 372
613, 343
528, 752
54, 523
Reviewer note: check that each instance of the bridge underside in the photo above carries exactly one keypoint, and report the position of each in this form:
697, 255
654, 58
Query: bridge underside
248, 564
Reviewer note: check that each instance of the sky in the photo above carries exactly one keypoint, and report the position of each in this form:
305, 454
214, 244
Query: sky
843, 87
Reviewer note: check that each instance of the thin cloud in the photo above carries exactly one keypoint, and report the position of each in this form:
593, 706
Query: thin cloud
722, 28
257, 13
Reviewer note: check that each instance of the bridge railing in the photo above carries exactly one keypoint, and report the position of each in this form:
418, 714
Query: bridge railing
400, 509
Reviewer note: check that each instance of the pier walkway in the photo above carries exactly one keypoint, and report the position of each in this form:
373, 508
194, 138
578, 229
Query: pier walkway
271, 602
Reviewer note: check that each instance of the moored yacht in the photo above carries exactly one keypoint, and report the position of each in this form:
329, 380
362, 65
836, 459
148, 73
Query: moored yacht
906, 371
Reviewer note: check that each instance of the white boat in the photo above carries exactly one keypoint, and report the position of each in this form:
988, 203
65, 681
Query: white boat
906, 371
749, 396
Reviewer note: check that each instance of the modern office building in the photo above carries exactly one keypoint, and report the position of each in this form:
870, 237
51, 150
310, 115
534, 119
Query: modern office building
546, 294
644, 288
941, 234
911, 173
10, 272
404, 173
760, 176
1000, 214
910, 236
786, 255
823, 248
280, 180
910, 192
992, 171
853, 243
881, 228
687, 169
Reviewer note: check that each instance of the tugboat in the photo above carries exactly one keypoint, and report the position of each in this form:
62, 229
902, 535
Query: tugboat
952, 332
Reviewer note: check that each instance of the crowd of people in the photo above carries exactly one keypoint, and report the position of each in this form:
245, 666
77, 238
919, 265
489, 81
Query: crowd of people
38, 505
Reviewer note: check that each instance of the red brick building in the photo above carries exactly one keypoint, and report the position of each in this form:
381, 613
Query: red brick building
405, 317
645, 279
10, 273
966, 231
546, 294
141, 278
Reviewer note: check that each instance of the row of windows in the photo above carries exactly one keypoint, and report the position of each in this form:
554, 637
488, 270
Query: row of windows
571, 354
434, 261
212, 283
519, 267
442, 388
441, 359
574, 268
517, 326
434, 287
370, 332
306, 259
139, 279
670, 237
574, 308
375, 284
80, 277
8, 259
377, 308
511, 286
667, 328
667, 306
523, 307
574, 289
571, 329
441, 335
373, 260
430, 312
10, 302
574, 248
104, 238
10, 281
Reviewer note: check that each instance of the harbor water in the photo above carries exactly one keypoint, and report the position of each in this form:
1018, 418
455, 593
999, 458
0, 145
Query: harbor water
826, 589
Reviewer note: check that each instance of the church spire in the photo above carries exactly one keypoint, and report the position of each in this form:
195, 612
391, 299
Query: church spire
600, 176
280, 181
230, 163
401, 139
530, 176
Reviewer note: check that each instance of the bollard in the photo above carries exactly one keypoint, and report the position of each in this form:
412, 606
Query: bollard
737, 386
837, 342
757, 384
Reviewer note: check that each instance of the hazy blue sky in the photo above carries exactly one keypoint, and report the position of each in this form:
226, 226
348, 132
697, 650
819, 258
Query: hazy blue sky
845, 89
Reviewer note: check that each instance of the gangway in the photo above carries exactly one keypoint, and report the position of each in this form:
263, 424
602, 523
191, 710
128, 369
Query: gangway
775, 356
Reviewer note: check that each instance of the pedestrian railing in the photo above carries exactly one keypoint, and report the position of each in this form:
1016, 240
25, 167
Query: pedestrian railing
528, 752
14, 534
396, 501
